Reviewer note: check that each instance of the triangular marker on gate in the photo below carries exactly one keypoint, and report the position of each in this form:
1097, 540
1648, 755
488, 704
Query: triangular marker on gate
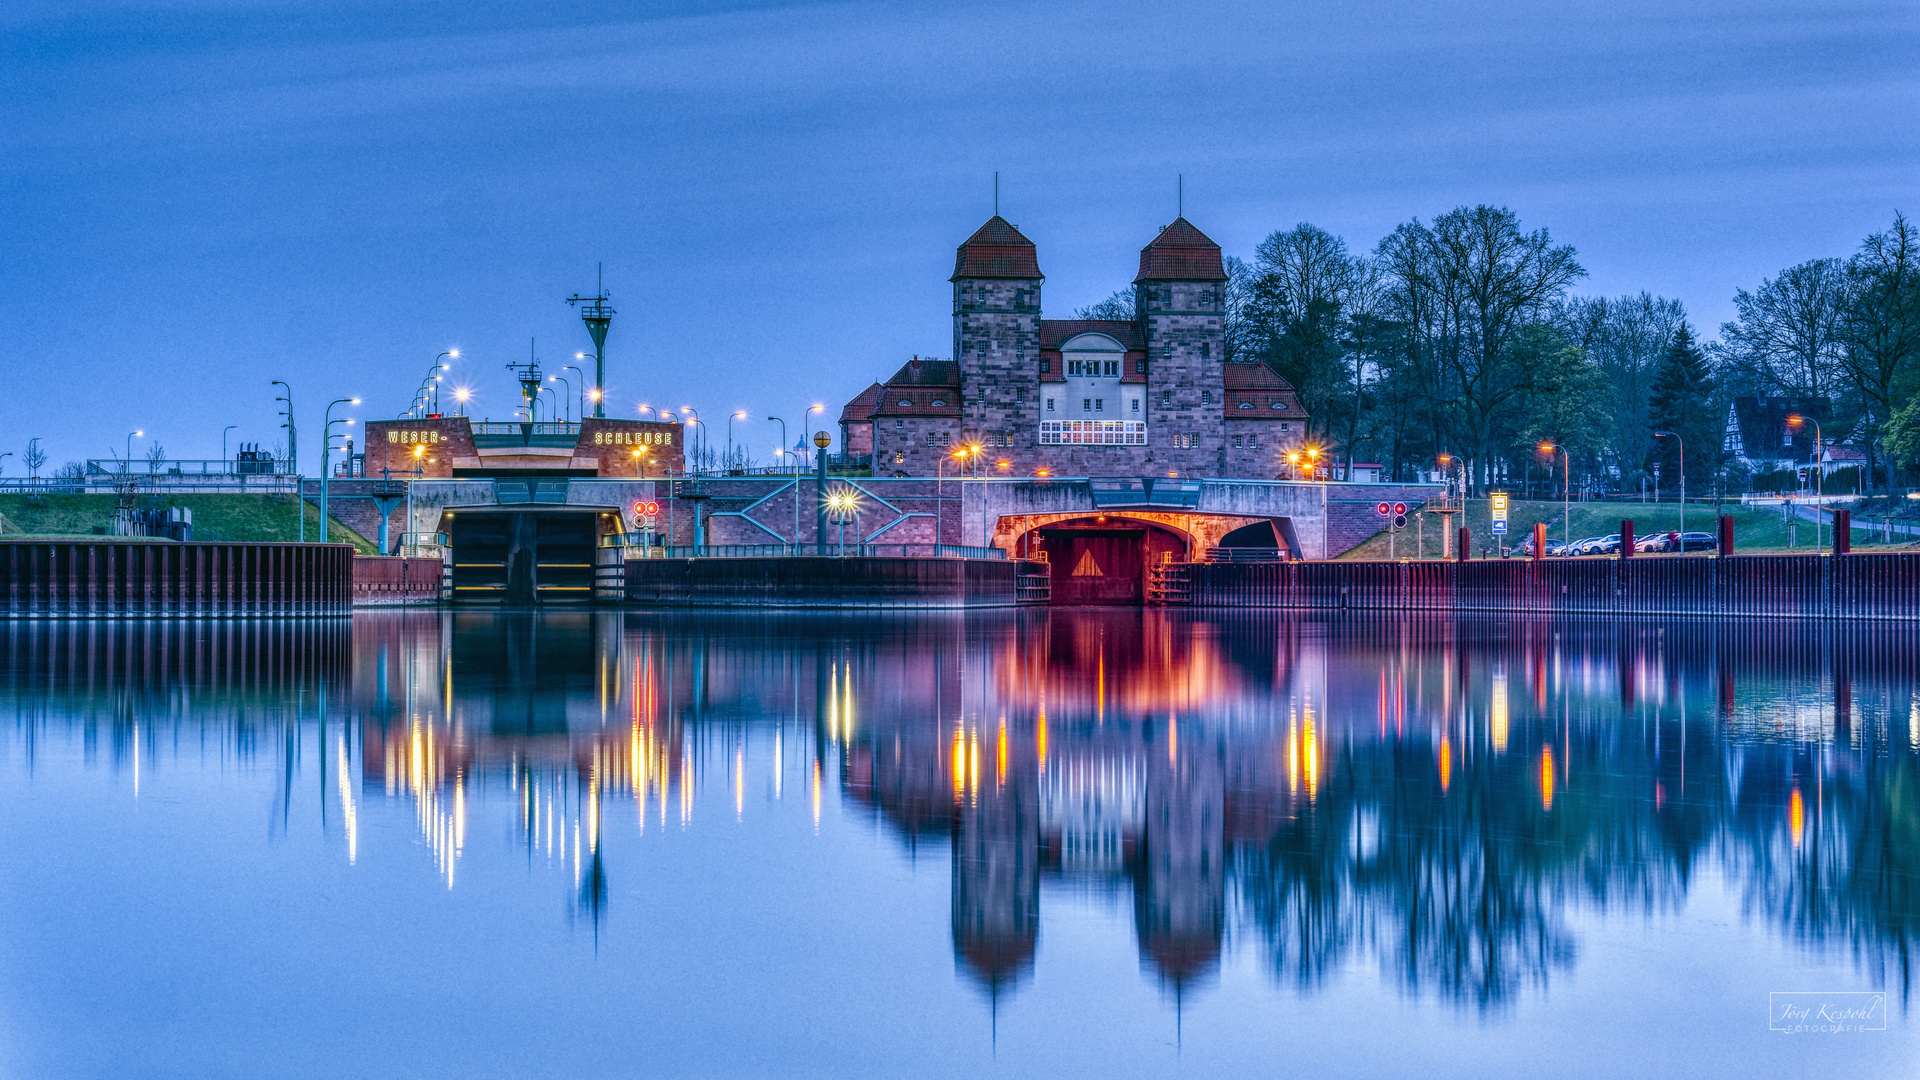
1086, 567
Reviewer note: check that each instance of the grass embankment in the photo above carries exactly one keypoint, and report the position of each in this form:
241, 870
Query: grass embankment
239, 518
1756, 529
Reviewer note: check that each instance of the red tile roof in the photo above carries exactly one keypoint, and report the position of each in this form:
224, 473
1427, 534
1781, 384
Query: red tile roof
1257, 392
1181, 253
996, 250
1055, 331
916, 387
861, 407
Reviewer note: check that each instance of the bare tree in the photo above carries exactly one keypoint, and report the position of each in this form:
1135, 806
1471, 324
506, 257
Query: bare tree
36, 458
1118, 307
1880, 333
1625, 339
1788, 337
1487, 280
156, 457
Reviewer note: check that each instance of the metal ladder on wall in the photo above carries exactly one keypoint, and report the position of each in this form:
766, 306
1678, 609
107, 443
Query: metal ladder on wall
1166, 581
1033, 580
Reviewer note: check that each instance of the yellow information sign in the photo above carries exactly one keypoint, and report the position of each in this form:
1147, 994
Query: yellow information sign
1499, 513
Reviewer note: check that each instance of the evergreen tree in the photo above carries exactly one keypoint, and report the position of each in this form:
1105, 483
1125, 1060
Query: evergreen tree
1683, 401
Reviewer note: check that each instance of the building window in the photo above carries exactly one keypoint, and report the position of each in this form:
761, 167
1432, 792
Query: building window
899, 457
1099, 404
1246, 404
1253, 441
1206, 397
899, 425
1093, 433
1140, 366
1049, 404
1113, 367
936, 438
1238, 444
1166, 399
1086, 404
1206, 350
938, 402
1045, 365
1136, 406
1286, 426
1020, 396
906, 403
1276, 403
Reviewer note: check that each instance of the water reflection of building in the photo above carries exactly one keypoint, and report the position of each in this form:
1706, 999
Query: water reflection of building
1434, 796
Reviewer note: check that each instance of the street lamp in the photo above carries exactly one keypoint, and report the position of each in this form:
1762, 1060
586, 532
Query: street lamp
739, 414
461, 395
223, 443
326, 460
1566, 487
693, 417
582, 392
639, 462
129, 462
568, 383
1683, 483
843, 506
811, 409
939, 492
1796, 420
796, 477
432, 368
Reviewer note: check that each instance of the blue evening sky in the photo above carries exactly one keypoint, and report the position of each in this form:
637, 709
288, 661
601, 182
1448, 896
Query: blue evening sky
199, 196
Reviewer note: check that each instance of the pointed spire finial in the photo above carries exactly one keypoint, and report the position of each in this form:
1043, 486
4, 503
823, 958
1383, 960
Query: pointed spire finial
996, 193
1180, 195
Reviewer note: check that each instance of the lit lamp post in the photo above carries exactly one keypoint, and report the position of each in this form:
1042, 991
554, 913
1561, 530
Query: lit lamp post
461, 395
419, 465
640, 462
821, 441
1683, 483
326, 460
1796, 420
693, 417
843, 506
939, 492
131, 435
568, 383
796, 475
739, 414
1566, 488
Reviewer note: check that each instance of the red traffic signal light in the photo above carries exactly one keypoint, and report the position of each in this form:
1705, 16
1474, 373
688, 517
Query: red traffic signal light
646, 509
1400, 510
1381, 509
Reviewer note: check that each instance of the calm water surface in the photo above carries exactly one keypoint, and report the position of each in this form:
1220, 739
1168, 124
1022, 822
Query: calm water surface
1033, 844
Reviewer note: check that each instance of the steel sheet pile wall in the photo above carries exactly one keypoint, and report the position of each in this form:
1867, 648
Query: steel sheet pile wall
1780, 586
79, 579
806, 581
393, 579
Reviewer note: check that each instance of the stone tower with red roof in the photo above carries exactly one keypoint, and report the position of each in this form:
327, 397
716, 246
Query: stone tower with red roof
996, 331
1085, 397
1180, 300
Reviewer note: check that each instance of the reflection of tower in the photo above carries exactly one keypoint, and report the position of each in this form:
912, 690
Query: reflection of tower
1179, 892
996, 879
598, 315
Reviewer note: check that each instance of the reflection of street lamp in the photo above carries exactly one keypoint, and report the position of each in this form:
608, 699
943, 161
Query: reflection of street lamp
1566, 491
1796, 420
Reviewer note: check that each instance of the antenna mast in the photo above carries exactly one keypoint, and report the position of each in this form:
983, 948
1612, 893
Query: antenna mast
598, 315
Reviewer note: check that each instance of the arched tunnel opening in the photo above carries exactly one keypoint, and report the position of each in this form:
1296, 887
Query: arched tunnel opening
1103, 559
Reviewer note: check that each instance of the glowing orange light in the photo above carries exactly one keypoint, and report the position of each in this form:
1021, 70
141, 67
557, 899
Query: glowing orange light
1446, 764
1546, 778
1796, 816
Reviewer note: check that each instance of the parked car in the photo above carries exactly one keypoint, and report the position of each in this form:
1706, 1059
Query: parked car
1698, 541
1606, 545
1583, 546
1525, 549
1657, 542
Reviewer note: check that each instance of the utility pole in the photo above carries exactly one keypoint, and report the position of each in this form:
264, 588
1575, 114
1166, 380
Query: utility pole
598, 315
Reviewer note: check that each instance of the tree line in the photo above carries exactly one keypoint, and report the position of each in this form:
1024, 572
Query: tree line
1463, 337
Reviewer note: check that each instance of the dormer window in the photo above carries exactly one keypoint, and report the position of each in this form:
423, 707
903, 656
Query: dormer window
938, 403
1276, 403
906, 403
1246, 404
